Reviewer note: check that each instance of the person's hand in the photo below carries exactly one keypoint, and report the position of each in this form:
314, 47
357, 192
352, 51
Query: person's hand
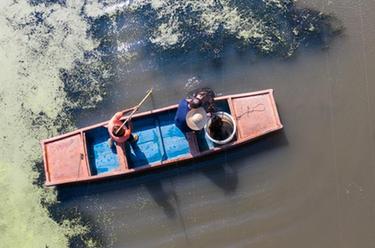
127, 110
118, 115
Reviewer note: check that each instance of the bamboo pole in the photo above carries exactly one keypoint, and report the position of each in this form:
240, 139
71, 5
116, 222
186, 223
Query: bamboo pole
135, 110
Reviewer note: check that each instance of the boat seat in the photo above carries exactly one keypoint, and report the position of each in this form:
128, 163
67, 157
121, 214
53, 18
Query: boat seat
149, 147
174, 141
102, 158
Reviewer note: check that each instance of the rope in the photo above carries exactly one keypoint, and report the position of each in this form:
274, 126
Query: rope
253, 109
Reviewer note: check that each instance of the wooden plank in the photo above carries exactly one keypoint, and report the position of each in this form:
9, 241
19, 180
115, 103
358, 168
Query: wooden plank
233, 113
255, 115
85, 153
66, 159
193, 143
45, 163
121, 153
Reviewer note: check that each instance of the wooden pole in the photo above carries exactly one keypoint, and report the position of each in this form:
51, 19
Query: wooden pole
135, 110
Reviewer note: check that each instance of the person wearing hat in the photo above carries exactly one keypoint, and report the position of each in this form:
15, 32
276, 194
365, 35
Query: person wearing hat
196, 119
190, 120
190, 116
202, 99
206, 96
120, 134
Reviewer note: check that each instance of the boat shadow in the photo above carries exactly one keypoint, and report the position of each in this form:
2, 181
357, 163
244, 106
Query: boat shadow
159, 194
221, 170
166, 199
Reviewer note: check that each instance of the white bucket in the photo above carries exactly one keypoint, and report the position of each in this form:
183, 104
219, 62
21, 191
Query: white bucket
227, 118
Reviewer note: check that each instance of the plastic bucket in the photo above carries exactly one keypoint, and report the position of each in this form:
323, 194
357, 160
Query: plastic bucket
227, 132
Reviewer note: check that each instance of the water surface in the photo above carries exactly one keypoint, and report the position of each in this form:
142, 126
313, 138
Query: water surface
310, 185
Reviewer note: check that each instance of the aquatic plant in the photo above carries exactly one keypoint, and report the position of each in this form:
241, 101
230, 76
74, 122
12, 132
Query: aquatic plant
168, 28
37, 42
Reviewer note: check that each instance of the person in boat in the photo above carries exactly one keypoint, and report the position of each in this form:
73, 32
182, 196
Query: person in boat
206, 97
184, 107
190, 121
120, 134
200, 98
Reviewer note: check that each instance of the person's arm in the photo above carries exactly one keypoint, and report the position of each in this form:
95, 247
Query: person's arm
117, 116
127, 110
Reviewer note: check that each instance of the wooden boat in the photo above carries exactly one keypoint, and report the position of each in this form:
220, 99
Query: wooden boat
84, 154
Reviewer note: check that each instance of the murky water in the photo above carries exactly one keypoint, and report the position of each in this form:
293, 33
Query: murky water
311, 185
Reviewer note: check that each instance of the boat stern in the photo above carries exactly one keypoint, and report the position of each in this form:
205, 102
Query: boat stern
65, 159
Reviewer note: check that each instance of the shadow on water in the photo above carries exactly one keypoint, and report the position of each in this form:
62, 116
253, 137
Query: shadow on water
167, 199
163, 198
155, 187
221, 169
222, 175
224, 169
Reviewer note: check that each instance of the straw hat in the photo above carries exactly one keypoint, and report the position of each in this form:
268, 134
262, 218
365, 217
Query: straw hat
196, 118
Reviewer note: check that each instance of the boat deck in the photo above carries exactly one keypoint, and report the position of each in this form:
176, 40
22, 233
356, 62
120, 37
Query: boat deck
159, 140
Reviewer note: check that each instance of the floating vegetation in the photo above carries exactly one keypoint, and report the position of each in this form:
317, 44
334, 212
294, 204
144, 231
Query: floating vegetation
165, 29
269, 26
38, 41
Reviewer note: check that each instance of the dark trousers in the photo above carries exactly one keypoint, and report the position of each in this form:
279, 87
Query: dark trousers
131, 138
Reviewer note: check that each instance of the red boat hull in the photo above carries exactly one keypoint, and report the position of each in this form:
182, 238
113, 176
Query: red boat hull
67, 158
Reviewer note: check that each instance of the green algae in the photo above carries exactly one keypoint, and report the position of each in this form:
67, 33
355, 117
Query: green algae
24, 222
37, 42
167, 29
270, 27
209, 16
